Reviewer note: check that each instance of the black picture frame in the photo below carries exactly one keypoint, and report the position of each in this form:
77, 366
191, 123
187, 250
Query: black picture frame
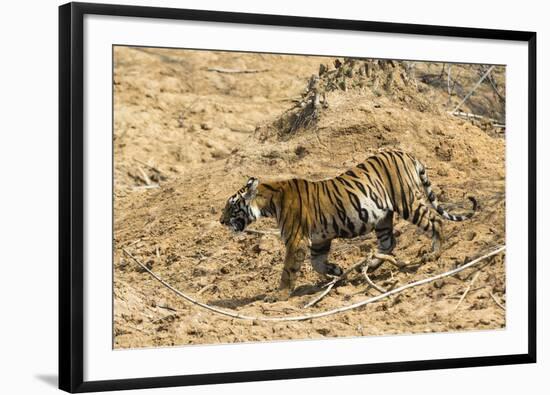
71, 173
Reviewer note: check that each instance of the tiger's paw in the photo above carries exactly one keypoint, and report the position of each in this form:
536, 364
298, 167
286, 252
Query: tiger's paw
430, 256
333, 270
280, 295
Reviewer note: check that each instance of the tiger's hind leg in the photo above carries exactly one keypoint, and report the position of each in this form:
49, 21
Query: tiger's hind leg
385, 239
319, 259
428, 221
384, 234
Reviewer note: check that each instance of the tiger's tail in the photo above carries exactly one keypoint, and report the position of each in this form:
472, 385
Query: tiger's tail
427, 185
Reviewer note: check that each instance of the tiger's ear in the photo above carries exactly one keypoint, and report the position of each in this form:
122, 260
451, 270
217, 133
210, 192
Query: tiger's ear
251, 187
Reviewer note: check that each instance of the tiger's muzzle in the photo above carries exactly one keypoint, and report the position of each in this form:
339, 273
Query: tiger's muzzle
236, 224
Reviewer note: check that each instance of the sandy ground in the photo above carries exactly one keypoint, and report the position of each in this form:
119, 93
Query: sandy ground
200, 133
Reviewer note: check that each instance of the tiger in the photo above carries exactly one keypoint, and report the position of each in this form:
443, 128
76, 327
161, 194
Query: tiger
364, 198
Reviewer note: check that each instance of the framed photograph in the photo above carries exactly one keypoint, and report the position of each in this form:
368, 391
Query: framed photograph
253, 197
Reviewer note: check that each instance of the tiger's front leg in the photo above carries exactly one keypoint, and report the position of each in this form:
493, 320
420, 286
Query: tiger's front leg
294, 258
319, 259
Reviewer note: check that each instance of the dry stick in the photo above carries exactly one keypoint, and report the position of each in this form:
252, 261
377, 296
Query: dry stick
145, 176
390, 259
262, 232
205, 288
137, 329
371, 283
164, 318
473, 89
449, 91
466, 291
236, 71
492, 82
332, 283
152, 186
476, 116
133, 243
167, 308
315, 315
156, 169
480, 268
496, 301
321, 296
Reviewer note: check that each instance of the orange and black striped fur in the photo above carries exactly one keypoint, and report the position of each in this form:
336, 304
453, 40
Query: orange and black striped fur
356, 202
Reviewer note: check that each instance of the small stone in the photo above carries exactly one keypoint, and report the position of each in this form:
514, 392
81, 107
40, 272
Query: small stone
437, 130
300, 151
323, 331
256, 249
206, 126
224, 270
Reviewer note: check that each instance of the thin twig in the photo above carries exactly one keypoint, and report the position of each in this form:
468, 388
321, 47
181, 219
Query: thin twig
262, 232
328, 286
137, 329
139, 187
390, 259
155, 169
493, 85
167, 308
236, 71
473, 89
496, 301
467, 290
205, 288
370, 282
315, 315
320, 296
145, 176
449, 90
476, 116
133, 243
165, 318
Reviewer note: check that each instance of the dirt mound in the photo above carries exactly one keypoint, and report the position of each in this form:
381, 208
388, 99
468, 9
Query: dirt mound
190, 126
393, 79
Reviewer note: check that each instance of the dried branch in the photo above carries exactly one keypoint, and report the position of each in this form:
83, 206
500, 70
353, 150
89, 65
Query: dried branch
328, 286
496, 301
315, 315
476, 116
321, 296
449, 90
262, 232
370, 282
155, 169
205, 288
473, 89
493, 85
466, 291
139, 187
145, 176
236, 71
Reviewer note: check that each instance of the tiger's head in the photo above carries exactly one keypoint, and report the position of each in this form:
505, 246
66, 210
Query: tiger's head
238, 212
